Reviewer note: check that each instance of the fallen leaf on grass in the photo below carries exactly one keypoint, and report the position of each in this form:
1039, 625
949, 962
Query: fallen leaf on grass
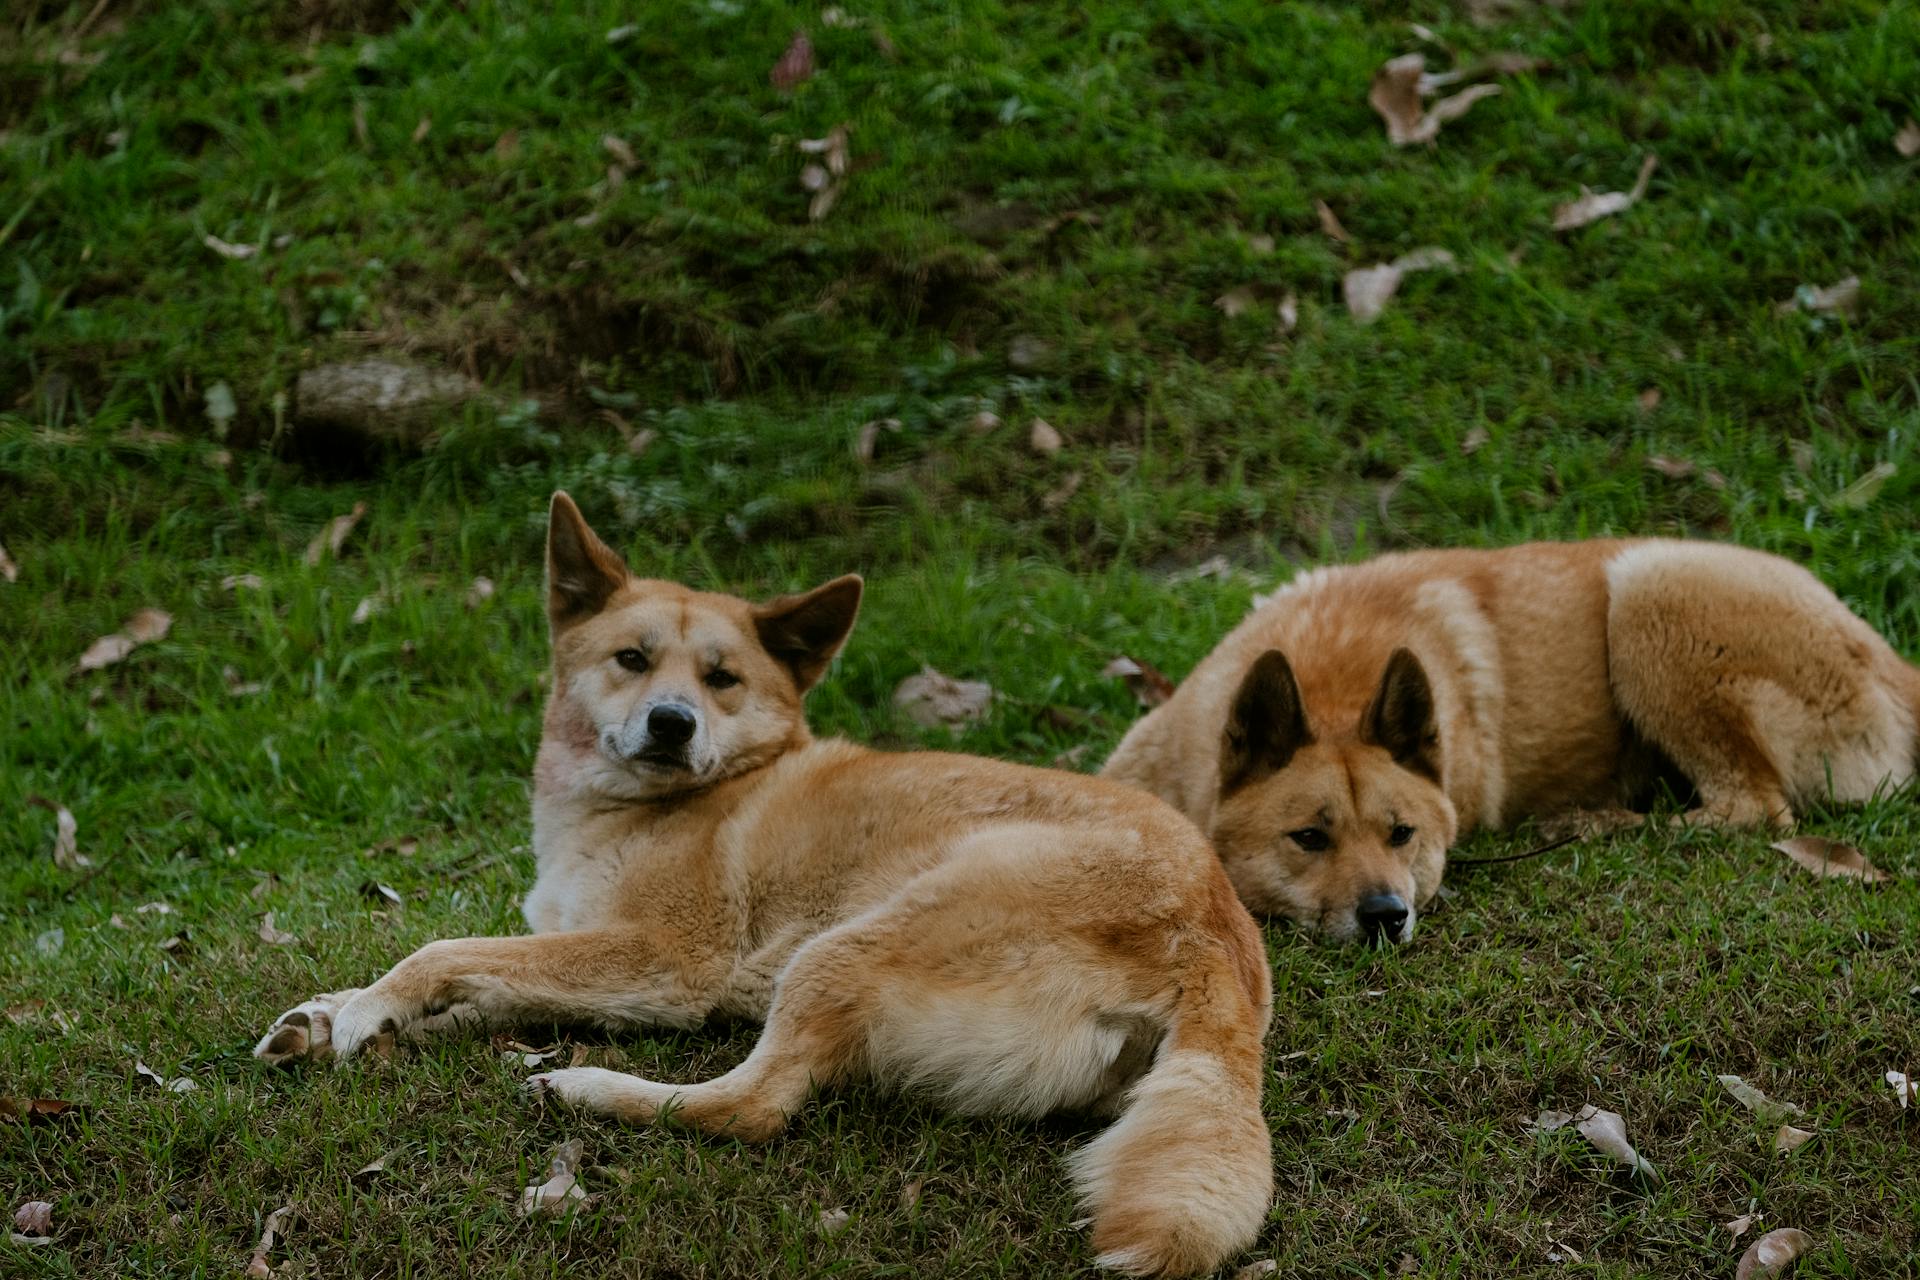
1839, 298
34, 1218
617, 147
383, 893
1831, 858
1150, 687
369, 606
1289, 313
833, 147
27, 1110
239, 686
1054, 499
50, 942
562, 1186
933, 698
1648, 400
795, 66
179, 1084
983, 422
1254, 1270
276, 1226
66, 835
1772, 1254
869, 438
1475, 440
831, 1221
1606, 1130
1235, 302
1043, 438
421, 130
1330, 223
480, 592
1769, 1110
1790, 1138
911, 1191
1906, 1091
1740, 1224
144, 627
1907, 141
274, 936
228, 249
1595, 205
368, 1171
8, 569
1395, 94
154, 909
242, 582
1369, 289
334, 536
1865, 489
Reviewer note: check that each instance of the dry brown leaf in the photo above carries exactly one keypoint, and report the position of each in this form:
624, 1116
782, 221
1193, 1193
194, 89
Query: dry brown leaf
507, 145
27, 1110
381, 893
1906, 1091
1772, 1254
242, 582
869, 438
1236, 301
1769, 1110
368, 1171
66, 835
334, 536
1150, 687
617, 147
562, 1187
1738, 1227
1840, 298
1289, 313
369, 606
1330, 223
1369, 289
833, 147
1396, 94
276, 1226
144, 627
1475, 440
822, 203
479, 592
983, 422
1672, 468
933, 698
1254, 1270
421, 130
34, 1218
795, 65
237, 685
578, 1058
1907, 141
272, 935
1648, 400
1790, 1138
1595, 205
227, 249
1866, 487
1826, 857
1043, 438
8, 569
911, 1191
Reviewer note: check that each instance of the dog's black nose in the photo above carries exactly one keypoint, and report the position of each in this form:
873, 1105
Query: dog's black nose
1383, 915
669, 725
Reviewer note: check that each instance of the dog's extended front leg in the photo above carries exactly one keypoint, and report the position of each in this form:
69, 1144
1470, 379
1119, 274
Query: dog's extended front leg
606, 976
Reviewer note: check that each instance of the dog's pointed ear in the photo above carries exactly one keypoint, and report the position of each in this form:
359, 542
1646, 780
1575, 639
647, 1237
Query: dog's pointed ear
1266, 725
805, 631
582, 571
1402, 717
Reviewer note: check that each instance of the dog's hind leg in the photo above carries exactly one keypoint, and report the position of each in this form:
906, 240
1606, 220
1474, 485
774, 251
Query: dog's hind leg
815, 1034
1754, 679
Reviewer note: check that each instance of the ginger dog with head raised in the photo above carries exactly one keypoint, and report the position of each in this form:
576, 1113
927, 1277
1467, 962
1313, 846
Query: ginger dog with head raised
1340, 738
1009, 940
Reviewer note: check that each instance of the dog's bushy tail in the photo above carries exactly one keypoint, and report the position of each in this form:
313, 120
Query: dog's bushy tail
1182, 1181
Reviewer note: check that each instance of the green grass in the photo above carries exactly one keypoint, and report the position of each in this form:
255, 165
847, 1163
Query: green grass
704, 305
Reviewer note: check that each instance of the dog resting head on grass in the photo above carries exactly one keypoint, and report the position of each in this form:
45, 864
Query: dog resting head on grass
1008, 940
1338, 739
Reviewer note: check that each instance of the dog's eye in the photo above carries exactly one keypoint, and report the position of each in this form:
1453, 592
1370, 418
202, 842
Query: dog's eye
1312, 839
719, 678
1400, 835
632, 659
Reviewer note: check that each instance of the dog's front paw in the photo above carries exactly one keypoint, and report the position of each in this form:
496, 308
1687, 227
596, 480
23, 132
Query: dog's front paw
304, 1033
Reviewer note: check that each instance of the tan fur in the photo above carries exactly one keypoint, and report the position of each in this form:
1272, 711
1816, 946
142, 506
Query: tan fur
1009, 940
1559, 673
